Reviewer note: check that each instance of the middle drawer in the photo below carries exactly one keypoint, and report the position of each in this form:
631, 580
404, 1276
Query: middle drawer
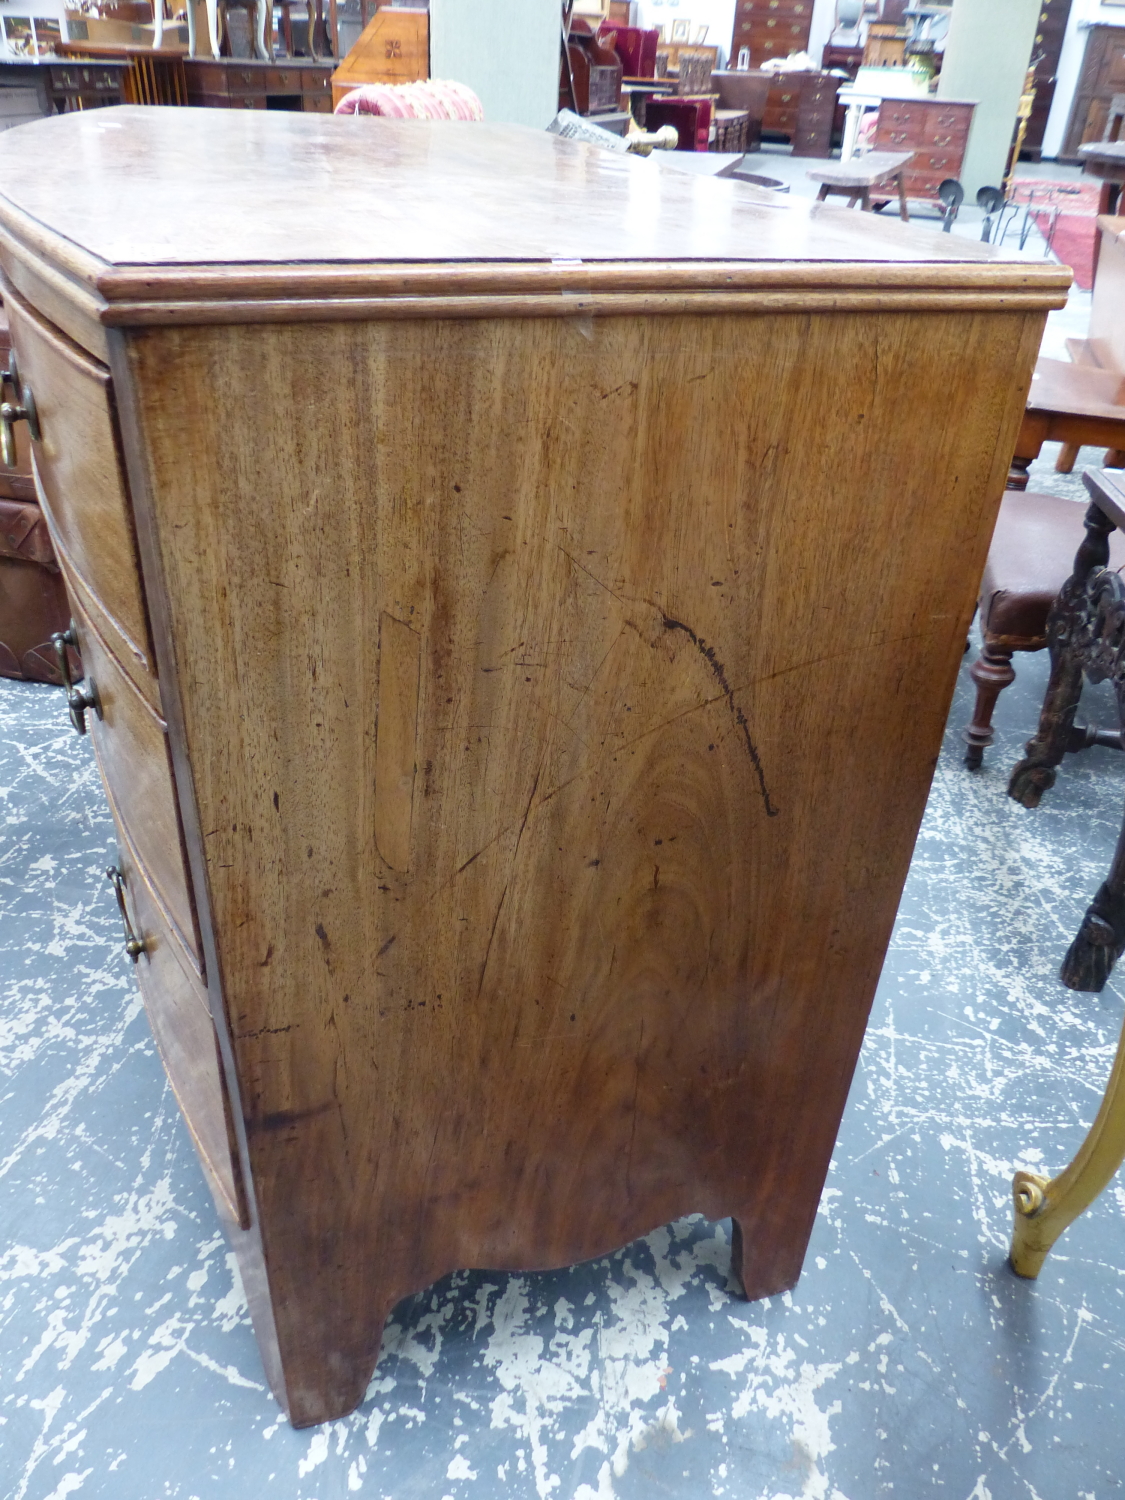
132, 754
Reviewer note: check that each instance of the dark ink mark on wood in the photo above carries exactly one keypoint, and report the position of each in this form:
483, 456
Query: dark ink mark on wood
719, 673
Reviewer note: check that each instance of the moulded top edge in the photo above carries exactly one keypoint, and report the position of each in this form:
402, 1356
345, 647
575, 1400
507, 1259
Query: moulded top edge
124, 196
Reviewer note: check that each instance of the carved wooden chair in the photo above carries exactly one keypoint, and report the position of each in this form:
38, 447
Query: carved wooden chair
1029, 560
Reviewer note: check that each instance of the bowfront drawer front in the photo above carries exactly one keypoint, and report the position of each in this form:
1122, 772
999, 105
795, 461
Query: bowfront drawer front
82, 487
132, 754
177, 1009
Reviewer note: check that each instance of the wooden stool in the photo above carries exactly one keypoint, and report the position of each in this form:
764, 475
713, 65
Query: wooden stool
1030, 559
855, 178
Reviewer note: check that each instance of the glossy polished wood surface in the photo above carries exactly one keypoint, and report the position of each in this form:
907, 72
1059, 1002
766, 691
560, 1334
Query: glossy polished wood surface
554, 658
422, 197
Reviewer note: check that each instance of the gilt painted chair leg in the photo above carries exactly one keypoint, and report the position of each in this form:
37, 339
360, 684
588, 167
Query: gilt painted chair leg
992, 672
1045, 1207
1068, 457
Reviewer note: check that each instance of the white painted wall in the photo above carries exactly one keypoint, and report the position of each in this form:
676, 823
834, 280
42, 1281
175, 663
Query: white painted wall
518, 83
1083, 15
987, 53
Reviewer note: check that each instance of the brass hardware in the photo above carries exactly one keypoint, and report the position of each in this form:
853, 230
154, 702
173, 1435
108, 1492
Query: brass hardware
24, 411
79, 696
11, 376
134, 946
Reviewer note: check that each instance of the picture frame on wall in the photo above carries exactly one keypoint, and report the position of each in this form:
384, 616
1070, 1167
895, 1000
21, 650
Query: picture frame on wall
701, 35
19, 38
681, 30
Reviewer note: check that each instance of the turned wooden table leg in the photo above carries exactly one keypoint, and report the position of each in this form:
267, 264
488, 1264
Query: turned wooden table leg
1068, 457
1045, 1207
1017, 471
992, 672
902, 210
1035, 774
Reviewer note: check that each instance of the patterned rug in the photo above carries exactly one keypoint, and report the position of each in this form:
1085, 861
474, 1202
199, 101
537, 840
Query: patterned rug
1065, 213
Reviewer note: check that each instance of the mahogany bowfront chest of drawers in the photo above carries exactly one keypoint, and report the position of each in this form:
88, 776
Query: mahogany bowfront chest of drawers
515, 760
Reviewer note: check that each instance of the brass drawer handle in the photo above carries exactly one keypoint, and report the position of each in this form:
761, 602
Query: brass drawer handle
134, 946
79, 696
9, 414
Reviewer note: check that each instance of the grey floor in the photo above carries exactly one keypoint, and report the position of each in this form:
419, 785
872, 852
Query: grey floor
909, 1361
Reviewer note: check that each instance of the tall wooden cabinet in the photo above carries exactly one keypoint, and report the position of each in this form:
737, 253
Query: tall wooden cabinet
1045, 52
1102, 76
519, 618
771, 28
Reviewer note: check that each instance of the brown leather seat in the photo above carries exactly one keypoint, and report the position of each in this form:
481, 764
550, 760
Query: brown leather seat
32, 598
1031, 557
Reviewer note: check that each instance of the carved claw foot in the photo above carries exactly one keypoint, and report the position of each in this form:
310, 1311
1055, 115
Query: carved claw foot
1098, 945
1029, 781
1090, 958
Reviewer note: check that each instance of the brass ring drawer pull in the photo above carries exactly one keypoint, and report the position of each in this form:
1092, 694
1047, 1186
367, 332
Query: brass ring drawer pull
79, 696
134, 946
24, 411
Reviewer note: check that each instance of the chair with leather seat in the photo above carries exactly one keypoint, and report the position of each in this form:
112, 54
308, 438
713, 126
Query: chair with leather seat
1031, 557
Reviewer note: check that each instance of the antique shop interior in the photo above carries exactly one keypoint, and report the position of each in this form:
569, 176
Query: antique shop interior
561, 681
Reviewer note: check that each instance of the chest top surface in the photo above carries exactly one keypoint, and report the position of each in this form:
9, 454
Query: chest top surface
102, 194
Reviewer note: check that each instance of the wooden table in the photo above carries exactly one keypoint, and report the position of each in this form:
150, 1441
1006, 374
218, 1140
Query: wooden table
1072, 404
1104, 159
507, 846
856, 178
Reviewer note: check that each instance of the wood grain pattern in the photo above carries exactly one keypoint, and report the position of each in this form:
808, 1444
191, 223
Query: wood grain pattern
396, 737
666, 791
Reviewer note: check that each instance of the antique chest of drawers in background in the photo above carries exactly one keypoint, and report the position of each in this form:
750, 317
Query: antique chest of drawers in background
936, 130
771, 28
511, 827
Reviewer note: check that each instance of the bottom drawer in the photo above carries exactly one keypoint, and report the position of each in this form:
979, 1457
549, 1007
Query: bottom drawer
178, 1012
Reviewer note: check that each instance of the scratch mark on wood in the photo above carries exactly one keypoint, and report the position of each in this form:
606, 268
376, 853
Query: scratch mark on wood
719, 673
384, 948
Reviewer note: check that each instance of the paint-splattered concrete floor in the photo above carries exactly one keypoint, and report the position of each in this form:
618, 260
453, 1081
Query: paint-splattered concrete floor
908, 1361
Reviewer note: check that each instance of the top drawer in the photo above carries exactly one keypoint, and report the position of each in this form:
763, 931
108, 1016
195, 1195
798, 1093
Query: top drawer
82, 482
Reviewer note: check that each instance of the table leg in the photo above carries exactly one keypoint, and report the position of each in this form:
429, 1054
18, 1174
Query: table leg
1035, 774
820, 197
1044, 1208
865, 201
902, 210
